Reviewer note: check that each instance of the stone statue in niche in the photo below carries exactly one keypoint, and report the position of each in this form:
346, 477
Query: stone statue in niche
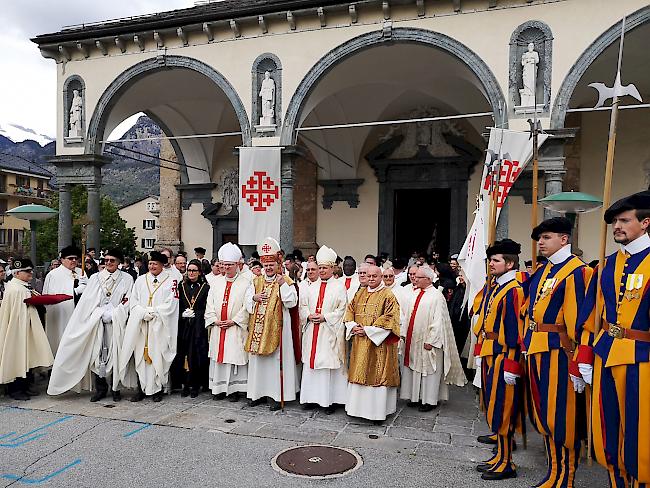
76, 110
529, 62
267, 94
230, 187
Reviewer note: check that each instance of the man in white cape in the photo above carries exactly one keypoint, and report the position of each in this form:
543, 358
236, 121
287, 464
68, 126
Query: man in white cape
431, 360
226, 318
350, 276
151, 330
92, 339
324, 376
67, 279
270, 343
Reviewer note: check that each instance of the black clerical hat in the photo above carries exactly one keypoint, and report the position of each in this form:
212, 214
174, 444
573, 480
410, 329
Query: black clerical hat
70, 251
22, 264
158, 256
116, 253
639, 201
505, 246
200, 250
559, 225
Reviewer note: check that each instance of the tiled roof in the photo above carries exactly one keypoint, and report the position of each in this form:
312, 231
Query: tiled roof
11, 162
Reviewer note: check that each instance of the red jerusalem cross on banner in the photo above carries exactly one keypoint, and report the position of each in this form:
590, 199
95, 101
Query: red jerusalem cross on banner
259, 196
260, 191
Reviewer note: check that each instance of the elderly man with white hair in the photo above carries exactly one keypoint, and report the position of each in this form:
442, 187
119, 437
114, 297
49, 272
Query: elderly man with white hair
431, 359
226, 318
324, 376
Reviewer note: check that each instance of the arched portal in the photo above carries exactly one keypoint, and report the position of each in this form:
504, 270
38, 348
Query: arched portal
411, 73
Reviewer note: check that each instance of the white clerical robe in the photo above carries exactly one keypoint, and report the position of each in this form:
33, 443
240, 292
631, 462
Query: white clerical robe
212, 278
23, 343
93, 337
176, 275
426, 374
60, 281
324, 375
152, 327
228, 359
264, 371
351, 284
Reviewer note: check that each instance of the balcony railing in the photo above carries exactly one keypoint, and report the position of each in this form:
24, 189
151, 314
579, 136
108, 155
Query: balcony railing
28, 192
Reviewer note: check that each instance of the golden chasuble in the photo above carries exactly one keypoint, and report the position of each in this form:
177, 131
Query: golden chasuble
372, 365
265, 326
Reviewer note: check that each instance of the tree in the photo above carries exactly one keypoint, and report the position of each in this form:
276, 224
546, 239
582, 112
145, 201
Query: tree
112, 229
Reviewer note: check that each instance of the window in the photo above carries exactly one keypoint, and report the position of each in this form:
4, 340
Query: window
148, 243
18, 236
3, 183
3, 206
22, 181
3, 236
152, 206
148, 224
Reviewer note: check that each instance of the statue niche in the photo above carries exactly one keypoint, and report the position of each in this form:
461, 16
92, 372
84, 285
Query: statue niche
267, 89
74, 114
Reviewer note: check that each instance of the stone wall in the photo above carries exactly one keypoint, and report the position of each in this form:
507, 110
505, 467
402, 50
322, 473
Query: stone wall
304, 205
169, 233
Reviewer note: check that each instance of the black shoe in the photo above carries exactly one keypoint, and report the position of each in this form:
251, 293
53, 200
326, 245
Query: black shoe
309, 406
117, 396
157, 397
413, 404
98, 395
219, 396
274, 406
31, 392
185, 391
138, 397
194, 392
330, 410
514, 446
255, 403
425, 407
377, 422
486, 439
19, 395
503, 475
483, 467
234, 397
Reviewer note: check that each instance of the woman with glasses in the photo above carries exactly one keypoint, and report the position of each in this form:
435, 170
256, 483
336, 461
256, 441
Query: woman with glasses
190, 367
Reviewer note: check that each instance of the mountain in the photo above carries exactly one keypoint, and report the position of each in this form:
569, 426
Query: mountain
130, 176
18, 133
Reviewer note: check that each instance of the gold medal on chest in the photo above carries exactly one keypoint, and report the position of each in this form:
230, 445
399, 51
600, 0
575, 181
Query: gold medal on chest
633, 286
547, 287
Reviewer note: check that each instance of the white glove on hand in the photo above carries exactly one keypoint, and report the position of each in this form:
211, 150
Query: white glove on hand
149, 314
578, 384
477, 362
587, 372
510, 378
107, 316
188, 313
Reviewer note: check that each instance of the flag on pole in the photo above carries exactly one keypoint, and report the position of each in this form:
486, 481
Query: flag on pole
259, 194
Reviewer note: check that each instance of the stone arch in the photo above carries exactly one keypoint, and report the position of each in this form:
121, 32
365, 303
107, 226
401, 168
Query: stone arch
595, 49
546, 62
135, 72
266, 61
398, 35
72, 82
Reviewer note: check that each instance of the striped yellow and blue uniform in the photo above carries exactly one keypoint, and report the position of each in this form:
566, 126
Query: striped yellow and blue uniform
498, 330
556, 293
621, 383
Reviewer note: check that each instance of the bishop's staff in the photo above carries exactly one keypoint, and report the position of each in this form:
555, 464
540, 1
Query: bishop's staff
604, 94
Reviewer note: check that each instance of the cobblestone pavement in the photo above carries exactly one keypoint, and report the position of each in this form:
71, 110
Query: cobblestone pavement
188, 442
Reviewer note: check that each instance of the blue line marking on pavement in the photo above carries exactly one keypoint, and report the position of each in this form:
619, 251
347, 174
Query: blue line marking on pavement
133, 432
7, 435
29, 436
37, 481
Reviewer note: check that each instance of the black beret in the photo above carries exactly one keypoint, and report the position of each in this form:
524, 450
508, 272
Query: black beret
528, 263
116, 253
639, 201
70, 251
559, 225
200, 250
158, 256
505, 246
22, 264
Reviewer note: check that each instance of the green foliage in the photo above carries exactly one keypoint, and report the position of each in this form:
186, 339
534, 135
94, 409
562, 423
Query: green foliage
113, 230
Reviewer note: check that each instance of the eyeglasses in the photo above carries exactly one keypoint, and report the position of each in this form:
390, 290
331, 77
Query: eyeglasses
72, 258
110, 260
192, 270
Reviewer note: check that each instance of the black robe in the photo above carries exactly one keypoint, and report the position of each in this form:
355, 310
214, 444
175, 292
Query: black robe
191, 365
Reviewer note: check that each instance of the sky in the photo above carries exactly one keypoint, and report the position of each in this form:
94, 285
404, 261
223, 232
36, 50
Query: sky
27, 80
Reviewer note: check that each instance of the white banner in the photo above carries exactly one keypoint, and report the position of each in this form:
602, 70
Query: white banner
259, 194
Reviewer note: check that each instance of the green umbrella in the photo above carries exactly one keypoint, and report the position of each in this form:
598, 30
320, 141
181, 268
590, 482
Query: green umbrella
33, 213
571, 202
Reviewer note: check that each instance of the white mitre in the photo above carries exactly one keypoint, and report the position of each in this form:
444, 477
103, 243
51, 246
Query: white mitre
326, 256
229, 253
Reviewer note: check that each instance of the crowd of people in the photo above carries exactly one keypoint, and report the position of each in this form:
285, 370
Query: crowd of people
329, 333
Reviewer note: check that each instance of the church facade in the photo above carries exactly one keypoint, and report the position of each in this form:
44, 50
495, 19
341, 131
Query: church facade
290, 74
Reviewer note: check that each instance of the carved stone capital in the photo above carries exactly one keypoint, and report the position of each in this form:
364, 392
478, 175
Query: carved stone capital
340, 191
196, 193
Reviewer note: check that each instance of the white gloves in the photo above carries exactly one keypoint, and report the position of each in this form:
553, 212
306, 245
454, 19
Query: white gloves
510, 378
107, 315
149, 314
82, 281
188, 313
578, 384
477, 362
587, 372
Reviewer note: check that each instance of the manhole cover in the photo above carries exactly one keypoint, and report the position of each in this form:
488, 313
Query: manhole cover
316, 462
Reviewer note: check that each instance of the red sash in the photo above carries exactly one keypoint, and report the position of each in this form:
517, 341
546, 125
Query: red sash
314, 337
409, 333
224, 316
347, 283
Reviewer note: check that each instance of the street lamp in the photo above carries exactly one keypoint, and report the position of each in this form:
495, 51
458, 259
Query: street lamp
33, 213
